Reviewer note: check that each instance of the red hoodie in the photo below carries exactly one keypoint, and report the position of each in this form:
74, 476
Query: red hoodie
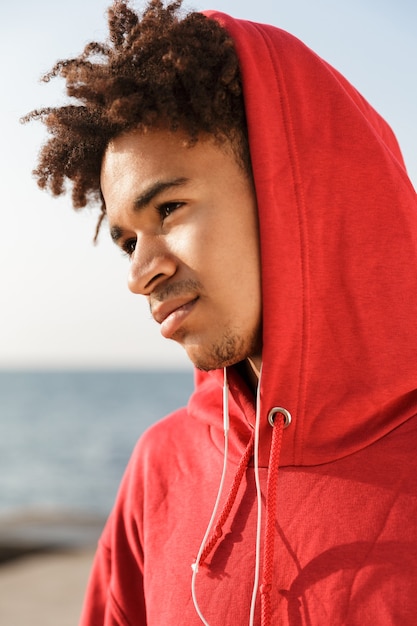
338, 228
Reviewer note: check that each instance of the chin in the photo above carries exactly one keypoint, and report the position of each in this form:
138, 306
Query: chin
214, 359
228, 349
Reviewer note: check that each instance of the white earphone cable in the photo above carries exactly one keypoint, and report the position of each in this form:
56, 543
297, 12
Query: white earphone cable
259, 503
196, 564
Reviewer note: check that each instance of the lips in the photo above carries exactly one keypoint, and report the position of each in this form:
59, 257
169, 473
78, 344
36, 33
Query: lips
172, 313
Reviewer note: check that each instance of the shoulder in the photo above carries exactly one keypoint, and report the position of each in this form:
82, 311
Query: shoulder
174, 440
161, 436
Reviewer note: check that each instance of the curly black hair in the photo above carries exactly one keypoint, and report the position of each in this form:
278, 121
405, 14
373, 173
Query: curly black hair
158, 68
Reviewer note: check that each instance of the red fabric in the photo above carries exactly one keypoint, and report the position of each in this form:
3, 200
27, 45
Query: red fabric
338, 227
265, 588
228, 505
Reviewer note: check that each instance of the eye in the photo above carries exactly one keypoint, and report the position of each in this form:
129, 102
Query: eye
129, 247
167, 208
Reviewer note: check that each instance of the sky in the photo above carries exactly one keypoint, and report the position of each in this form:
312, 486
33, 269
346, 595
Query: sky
64, 302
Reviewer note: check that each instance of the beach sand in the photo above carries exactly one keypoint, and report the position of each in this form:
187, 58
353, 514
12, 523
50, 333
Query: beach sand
44, 589
45, 561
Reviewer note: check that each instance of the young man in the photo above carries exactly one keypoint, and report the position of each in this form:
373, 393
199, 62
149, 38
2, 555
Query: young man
270, 223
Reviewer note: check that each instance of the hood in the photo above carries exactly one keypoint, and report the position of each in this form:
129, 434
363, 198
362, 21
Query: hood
338, 229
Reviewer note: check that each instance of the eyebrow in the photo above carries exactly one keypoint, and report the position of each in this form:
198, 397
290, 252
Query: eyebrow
156, 188
146, 197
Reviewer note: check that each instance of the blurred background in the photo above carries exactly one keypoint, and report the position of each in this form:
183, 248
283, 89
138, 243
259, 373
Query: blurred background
64, 302
83, 368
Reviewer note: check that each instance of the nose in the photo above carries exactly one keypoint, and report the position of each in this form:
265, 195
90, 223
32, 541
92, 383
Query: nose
150, 265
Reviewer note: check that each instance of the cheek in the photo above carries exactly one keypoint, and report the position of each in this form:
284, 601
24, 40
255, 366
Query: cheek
221, 247
198, 245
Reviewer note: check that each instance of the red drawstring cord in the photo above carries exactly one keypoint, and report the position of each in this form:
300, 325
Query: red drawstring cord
272, 488
218, 529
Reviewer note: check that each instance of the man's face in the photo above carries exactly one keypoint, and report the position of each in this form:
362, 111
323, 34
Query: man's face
187, 218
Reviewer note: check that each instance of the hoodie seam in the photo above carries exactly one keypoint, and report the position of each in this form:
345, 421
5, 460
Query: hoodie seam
304, 246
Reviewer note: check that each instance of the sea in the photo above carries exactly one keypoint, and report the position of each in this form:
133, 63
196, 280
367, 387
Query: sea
66, 436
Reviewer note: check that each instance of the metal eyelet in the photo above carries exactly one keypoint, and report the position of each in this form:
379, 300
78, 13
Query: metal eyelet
278, 409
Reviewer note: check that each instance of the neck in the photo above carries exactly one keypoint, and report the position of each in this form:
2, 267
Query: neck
252, 373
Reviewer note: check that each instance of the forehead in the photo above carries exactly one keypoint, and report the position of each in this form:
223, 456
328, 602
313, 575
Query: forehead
161, 144
135, 160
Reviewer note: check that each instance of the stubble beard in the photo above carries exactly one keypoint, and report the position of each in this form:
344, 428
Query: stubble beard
229, 350
231, 347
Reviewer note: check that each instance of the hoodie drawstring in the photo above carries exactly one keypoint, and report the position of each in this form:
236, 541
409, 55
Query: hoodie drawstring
208, 544
278, 426
230, 500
